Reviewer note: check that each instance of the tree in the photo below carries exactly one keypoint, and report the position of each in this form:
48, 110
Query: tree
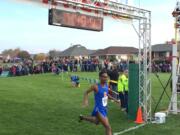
24, 55
40, 57
53, 54
16, 52
12, 53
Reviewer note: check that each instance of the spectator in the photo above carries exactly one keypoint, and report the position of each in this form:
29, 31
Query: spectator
113, 75
1, 70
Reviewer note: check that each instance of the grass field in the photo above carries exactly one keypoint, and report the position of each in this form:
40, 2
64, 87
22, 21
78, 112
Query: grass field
46, 105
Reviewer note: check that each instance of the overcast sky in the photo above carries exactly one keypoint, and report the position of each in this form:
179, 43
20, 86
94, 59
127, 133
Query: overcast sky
25, 25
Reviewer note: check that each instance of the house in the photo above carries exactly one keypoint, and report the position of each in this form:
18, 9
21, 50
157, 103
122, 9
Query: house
5, 58
116, 53
162, 51
76, 51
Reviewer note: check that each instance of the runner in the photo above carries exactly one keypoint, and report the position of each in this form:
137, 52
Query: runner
99, 114
75, 81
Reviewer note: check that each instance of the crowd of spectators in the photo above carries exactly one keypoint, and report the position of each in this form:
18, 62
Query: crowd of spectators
72, 65
65, 64
164, 67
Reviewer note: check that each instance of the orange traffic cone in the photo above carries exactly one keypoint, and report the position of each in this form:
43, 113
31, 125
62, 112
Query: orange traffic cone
139, 118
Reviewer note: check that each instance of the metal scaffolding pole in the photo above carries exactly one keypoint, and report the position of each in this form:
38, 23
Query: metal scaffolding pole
173, 107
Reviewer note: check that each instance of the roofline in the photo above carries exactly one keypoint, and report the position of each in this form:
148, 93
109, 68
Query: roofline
121, 46
113, 54
71, 55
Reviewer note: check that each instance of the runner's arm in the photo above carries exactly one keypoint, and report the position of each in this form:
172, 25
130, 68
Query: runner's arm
85, 99
112, 98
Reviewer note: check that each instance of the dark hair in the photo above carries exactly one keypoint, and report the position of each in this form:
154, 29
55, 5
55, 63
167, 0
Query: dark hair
104, 71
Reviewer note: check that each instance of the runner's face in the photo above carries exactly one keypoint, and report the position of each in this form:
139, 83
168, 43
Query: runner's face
104, 78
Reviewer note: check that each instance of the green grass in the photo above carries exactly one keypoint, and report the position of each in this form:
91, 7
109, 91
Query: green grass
46, 105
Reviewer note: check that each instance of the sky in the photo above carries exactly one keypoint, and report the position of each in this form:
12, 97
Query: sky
25, 25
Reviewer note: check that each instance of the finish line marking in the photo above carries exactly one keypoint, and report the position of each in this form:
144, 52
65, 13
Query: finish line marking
129, 129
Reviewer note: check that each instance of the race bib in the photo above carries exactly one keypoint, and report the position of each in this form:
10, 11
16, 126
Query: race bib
105, 100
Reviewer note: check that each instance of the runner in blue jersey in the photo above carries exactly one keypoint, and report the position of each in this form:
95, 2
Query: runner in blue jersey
101, 95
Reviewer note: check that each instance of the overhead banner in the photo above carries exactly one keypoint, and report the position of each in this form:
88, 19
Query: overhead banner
75, 20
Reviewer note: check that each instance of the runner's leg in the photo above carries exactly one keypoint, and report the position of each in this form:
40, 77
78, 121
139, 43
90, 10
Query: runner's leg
105, 123
91, 119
